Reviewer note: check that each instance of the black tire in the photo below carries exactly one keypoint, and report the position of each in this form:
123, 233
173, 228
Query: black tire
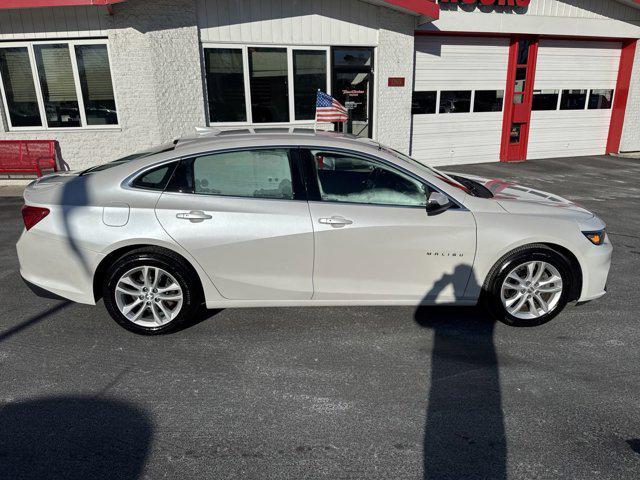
169, 262
491, 298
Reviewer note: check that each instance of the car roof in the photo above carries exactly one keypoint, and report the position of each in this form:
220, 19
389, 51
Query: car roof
209, 139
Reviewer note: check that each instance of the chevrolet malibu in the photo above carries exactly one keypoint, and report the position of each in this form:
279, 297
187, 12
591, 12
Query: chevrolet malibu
297, 218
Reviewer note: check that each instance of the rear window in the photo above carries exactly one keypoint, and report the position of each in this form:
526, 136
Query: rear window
134, 156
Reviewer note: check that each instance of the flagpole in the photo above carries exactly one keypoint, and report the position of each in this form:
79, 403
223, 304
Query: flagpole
315, 119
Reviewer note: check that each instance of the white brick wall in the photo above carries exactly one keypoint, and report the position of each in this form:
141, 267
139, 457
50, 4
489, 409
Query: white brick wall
630, 141
155, 59
394, 59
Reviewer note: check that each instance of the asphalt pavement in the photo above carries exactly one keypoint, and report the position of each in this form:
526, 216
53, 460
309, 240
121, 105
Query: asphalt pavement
359, 393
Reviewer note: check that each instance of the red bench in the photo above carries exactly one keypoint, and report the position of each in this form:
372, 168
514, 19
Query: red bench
27, 156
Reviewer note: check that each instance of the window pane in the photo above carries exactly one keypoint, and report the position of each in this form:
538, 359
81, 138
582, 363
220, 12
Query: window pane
58, 85
269, 90
155, 179
19, 88
514, 134
521, 75
545, 100
253, 173
343, 178
97, 89
309, 76
573, 99
600, 99
225, 85
423, 102
523, 52
345, 57
455, 102
488, 101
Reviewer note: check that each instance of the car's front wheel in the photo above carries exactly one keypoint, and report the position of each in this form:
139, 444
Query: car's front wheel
150, 291
529, 286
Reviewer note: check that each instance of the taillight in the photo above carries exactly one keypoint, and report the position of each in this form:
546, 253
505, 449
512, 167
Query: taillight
32, 215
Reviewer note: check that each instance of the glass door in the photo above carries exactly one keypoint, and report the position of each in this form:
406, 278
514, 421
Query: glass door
352, 82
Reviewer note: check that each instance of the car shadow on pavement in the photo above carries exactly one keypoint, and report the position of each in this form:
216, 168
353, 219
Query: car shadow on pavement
6, 334
73, 437
464, 434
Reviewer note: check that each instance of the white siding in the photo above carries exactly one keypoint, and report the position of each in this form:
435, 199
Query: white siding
51, 23
572, 65
459, 63
300, 22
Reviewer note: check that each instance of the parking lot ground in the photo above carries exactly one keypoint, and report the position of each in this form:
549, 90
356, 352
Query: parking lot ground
388, 393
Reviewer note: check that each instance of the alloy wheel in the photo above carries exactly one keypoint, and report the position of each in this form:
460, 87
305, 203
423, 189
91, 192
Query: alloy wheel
148, 296
531, 290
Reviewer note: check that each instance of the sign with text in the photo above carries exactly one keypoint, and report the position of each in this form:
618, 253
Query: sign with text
396, 82
501, 3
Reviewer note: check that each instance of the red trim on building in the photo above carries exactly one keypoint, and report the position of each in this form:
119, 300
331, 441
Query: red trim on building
508, 100
5, 4
509, 35
423, 7
627, 55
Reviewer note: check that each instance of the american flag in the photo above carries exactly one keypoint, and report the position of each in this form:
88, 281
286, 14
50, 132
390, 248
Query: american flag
328, 109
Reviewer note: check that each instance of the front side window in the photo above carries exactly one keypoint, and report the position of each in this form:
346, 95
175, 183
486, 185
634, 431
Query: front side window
573, 99
225, 84
69, 87
268, 75
455, 101
263, 173
20, 91
348, 178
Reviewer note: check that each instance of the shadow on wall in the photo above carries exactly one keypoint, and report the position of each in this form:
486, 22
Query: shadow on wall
464, 434
73, 437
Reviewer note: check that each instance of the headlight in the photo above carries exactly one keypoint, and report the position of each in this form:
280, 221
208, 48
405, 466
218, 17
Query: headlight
597, 237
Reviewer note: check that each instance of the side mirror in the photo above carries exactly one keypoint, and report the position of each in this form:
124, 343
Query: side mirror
437, 203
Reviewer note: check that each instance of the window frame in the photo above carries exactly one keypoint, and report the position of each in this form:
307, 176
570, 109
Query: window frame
71, 44
247, 83
473, 101
297, 179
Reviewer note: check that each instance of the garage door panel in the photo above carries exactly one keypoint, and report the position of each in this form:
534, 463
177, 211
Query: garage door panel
459, 63
563, 65
568, 133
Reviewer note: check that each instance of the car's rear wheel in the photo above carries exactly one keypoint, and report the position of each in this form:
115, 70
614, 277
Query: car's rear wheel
150, 291
529, 286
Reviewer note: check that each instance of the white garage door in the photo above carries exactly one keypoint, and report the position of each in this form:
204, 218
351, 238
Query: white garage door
458, 99
572, 99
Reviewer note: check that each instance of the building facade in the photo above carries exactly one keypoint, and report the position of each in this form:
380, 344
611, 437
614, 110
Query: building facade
455, 82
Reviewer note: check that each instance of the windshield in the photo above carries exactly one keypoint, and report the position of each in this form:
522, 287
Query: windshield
439, 175
134, 156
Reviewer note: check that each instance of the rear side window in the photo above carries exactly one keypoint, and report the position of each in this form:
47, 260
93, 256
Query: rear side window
264, 173
156, 178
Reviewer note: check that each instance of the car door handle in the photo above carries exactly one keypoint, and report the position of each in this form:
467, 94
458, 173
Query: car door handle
335, 221
194, 216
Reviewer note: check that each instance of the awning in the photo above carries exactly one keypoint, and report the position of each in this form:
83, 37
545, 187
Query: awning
4, 4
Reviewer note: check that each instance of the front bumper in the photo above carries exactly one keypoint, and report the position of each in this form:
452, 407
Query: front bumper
596, 263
